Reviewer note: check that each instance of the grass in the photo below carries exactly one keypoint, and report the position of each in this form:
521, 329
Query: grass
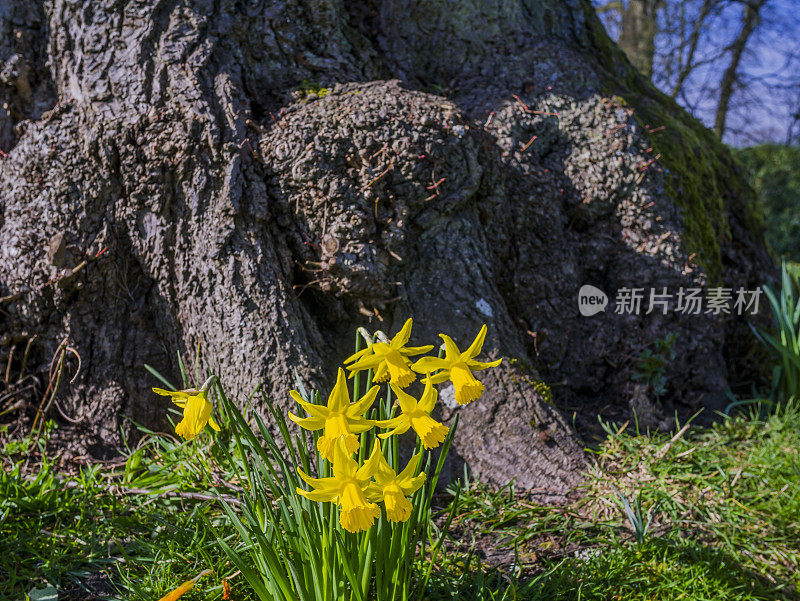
727, 524
133, 530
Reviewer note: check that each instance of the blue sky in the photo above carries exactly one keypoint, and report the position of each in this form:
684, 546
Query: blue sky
762, 108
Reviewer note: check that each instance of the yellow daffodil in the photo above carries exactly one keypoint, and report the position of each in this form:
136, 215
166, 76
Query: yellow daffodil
389, 359
185, 587
393, 488
347, 487
340, 419
196, 409
416, 415
458, 367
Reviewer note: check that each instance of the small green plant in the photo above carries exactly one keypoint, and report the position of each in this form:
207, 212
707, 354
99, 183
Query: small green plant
653, 362
24, 445
784, 343
639, 522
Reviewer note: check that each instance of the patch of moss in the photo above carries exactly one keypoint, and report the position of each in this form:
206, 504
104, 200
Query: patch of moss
528, 376
309, 89
702, 177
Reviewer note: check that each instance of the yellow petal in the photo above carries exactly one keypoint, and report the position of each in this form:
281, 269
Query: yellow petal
479, 365
322, 496
357, 426
440, 377
344, 466
183, 430
339, 398
178, 592
411, 468
450, 349
358, 355
327, 484
415, 350
312, 409
337, 425
371, 465
360, 518
428, 399
398, 430
429, 365
476, 345
175, 394
392, 423
381, 374
407, 402
185, 587
368, 362
358, 408
308, 423
196, 414
413, 485
373, 492
403, 335
357, 512
213, 424
327, 445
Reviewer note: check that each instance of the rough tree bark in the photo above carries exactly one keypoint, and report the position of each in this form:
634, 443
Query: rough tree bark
257, 177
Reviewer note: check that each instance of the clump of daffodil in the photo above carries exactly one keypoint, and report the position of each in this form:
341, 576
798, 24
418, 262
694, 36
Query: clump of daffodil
416, 415
393, 488
458, 367
389, 359
340, 419
196, 409
347, 487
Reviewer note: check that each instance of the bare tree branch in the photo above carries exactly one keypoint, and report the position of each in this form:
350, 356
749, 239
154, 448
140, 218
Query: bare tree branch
749, 22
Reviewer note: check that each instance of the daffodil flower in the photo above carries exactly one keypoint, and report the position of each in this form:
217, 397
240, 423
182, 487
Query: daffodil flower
340, 419
389, 359
185, 587
347, 487
458, 367
393, 488
416, 415
196, 409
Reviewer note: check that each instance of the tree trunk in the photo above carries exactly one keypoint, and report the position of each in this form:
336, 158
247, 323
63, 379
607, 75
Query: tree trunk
260, 178
637, 36
728, 82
